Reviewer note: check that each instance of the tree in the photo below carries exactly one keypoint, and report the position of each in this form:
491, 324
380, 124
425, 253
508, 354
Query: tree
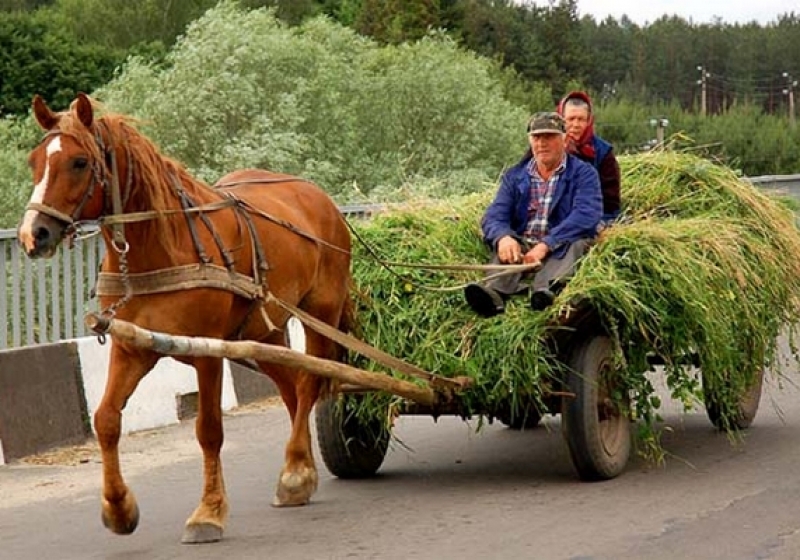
123, 24
293, 12
611, 46
22, 5
396, 21
38, 57
565, 57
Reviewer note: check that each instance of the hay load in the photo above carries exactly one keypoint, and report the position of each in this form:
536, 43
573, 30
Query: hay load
702, 265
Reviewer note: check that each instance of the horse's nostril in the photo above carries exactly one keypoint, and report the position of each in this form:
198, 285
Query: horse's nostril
42, 234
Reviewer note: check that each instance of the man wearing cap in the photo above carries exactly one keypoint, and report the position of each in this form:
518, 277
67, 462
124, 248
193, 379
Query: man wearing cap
546, 211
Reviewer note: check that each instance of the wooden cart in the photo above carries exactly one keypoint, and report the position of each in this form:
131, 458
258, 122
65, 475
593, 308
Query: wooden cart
597, 428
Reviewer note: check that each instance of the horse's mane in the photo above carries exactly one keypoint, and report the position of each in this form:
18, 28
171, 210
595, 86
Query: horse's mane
153, 174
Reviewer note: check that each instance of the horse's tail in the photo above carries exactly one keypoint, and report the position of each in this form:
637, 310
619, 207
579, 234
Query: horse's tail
347, 321
347, 324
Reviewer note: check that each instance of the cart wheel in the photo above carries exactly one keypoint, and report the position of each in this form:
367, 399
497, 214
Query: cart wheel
526, 419
745, 410
349, 448
598, 433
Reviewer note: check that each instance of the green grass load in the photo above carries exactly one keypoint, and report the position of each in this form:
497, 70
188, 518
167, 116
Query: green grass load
701, 264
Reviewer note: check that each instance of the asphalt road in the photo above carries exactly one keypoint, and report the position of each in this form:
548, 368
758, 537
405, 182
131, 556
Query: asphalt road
450, 493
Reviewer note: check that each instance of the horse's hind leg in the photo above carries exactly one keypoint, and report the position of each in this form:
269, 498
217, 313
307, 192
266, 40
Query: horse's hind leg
207, 522
120, 512
298, 478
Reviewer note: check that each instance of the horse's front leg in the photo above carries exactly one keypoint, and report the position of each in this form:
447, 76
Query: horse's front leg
207, 522
120, 512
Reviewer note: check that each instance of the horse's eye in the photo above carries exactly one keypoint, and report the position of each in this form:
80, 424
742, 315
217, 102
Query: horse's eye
80, 163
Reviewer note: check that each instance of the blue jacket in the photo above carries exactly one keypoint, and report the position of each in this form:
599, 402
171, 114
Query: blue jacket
601, 149
575, 211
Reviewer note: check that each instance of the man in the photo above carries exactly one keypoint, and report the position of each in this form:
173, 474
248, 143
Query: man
546, 211
576, 108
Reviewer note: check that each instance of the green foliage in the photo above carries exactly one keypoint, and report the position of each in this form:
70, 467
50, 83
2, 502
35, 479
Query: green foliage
704, 263
293, 12
751, 140
17, 136
242, 89
505, 356
744, 137
22, 5
384, 122
38, 57
121, 24
397, 21
701, 264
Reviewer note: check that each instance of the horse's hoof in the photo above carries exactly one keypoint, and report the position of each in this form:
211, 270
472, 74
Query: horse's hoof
284, 499
121, 526
295, 489
200, 533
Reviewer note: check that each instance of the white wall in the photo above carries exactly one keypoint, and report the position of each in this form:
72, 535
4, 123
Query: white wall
155, 401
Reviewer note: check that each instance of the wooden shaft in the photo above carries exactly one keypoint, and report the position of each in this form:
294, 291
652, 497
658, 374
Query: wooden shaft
200, 346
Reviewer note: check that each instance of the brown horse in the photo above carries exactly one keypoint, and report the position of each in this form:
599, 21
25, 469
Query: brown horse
184, 258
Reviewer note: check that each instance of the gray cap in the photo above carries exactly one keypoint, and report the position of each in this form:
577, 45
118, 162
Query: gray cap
546, 123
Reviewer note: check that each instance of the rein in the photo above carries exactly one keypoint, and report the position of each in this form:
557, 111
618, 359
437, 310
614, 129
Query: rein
498, 270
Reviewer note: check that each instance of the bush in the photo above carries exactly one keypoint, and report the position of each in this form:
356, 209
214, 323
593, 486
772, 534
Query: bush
17, 136
243, 90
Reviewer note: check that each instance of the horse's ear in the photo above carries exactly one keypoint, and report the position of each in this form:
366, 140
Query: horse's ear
46, 118
83, 108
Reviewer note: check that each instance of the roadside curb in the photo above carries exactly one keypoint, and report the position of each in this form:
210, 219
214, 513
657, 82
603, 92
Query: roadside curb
49, 393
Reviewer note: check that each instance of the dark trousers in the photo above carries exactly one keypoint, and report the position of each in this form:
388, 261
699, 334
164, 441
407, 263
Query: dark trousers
554, 270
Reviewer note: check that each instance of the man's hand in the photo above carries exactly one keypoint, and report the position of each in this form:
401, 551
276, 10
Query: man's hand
537, 254
509, 251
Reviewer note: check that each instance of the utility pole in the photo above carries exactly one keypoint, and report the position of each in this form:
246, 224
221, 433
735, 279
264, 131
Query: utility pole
660, 124
789, 90
608, 91
703, 90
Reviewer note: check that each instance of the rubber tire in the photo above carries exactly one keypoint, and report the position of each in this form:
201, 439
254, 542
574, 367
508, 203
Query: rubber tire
599, 446
349, 449
747, 407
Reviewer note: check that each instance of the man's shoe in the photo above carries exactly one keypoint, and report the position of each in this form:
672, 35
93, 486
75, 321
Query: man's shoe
484, 301
542, 299
557, 286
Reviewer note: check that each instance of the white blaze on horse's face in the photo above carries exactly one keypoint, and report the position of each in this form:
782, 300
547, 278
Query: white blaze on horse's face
53, 147
25, 234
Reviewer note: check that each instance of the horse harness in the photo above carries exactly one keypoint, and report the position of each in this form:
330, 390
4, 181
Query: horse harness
205, 274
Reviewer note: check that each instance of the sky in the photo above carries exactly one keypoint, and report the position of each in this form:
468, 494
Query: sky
699, 11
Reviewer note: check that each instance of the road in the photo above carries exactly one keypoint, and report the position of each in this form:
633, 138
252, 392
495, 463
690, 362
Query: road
449, 492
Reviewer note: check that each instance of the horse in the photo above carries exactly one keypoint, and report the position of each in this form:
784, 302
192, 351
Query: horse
186, 258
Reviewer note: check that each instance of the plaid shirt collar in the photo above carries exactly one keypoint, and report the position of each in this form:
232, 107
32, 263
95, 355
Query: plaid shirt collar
535, 172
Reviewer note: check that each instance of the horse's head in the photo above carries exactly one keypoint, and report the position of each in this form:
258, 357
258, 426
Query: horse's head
68, 173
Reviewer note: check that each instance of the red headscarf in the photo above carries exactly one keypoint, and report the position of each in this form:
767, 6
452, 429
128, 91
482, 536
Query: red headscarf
583, 146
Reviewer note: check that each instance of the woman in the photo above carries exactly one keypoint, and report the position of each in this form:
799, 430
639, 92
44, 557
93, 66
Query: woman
576, 109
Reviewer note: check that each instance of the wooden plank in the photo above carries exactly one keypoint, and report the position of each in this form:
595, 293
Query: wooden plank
199, 346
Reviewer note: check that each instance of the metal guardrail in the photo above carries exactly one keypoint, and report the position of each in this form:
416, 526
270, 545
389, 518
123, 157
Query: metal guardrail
787, 184
45, 300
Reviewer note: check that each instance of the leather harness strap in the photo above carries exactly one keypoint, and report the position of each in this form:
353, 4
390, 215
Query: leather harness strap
197, 275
